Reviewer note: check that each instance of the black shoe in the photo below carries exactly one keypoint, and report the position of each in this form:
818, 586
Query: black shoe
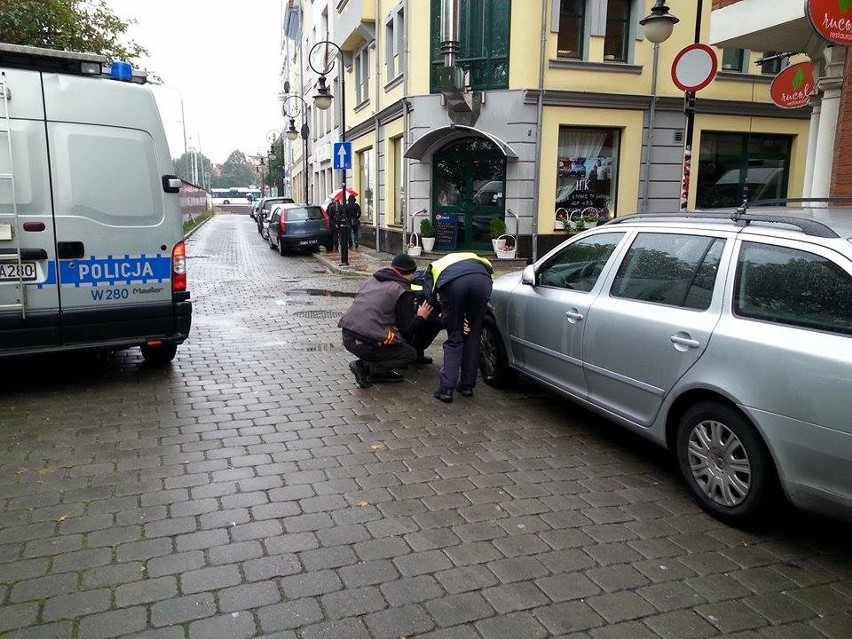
444, 396
422, 360
386, 378
362, 378
466, 391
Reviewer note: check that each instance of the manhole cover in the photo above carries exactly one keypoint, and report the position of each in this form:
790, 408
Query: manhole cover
318, 314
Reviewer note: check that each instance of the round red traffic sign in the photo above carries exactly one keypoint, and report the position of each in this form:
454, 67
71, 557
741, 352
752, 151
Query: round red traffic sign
694, 67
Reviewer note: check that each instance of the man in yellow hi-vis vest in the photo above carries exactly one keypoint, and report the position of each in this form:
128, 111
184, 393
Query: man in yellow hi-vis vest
461, 283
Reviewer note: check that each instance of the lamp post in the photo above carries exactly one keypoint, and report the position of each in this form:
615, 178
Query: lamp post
292, 134
323, 100
658, 28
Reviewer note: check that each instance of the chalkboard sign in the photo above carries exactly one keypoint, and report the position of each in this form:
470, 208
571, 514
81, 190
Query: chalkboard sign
446, 231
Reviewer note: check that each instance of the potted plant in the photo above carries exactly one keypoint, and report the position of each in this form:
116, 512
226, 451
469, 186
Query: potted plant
427, 234
589, 218
498, 228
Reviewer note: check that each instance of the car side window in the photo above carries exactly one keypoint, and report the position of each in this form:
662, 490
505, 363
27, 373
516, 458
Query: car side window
578, 265
794, 287
671, 269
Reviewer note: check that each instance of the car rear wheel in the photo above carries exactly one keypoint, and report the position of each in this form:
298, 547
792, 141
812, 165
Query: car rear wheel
493, 361
159, 355
726, 464
281, 250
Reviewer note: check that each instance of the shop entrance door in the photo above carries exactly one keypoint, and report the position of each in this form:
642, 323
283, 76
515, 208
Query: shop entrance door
469, 180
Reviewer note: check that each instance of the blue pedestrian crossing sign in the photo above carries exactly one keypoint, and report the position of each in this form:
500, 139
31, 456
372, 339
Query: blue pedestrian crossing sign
342, 155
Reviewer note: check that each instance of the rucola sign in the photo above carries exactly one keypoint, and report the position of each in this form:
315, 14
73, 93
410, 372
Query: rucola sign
831, 19
793, 86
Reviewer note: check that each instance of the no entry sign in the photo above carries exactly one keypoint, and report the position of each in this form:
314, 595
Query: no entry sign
694, 67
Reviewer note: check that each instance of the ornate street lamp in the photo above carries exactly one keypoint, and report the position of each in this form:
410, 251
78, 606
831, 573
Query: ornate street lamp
319, 56
292, 133
659, 24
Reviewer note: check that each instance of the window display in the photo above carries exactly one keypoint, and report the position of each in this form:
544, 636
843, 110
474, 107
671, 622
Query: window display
586, 176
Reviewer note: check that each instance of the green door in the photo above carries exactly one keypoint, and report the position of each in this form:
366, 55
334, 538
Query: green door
469, 180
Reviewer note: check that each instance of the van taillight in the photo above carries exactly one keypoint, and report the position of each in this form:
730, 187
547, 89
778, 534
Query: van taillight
282, 223
179, 268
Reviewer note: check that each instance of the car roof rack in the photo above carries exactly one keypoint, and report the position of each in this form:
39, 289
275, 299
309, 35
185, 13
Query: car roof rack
800, 200
740, 217
51, 60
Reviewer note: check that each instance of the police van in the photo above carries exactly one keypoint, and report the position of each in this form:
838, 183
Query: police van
91, 239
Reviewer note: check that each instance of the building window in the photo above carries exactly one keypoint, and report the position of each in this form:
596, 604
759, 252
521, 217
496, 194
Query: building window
484, 27
736, 166
733, 59
586, 174
572, 28
361, 63
617, 38
394, 45
772, 67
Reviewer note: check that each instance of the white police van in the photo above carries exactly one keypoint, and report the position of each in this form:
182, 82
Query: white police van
91, 239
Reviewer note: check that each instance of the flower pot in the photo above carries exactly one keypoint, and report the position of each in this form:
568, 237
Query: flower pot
505, 247
414, 248
428, 243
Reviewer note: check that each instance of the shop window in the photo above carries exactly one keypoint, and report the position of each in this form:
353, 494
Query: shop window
484, 27
733, 59
737, 166
587, 167
365, 184
617, 38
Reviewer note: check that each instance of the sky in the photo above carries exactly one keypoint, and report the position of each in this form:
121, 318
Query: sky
222, 60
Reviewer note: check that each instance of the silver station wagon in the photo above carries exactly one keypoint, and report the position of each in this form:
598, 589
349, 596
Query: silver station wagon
724, 337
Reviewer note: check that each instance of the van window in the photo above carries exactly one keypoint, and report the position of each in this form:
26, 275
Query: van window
106, 174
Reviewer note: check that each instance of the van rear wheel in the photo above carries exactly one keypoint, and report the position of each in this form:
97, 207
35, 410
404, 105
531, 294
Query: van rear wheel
159, 355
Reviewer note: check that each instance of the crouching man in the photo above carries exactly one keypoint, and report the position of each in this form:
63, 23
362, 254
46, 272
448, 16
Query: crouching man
382, 322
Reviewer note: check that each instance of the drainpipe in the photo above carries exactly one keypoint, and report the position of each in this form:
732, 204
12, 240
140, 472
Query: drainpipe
376, 127
449, 31
538, 130
405, 126
652, 122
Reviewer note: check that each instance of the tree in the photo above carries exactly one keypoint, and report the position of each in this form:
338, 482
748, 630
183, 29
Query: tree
69, 25
236, 171
183, 168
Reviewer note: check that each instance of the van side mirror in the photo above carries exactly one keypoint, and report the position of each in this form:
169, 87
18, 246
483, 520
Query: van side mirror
171, 184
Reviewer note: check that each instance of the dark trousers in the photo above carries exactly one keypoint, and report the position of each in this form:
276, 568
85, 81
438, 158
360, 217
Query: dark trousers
354, 230
427, 334
464, 297
380, 358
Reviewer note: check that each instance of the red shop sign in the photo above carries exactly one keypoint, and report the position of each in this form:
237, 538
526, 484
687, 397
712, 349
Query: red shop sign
793, 86
831, 19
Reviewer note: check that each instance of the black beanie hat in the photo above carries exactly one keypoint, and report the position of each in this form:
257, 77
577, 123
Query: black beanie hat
404, 264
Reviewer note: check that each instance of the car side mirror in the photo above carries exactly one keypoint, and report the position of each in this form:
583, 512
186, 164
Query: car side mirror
528, 276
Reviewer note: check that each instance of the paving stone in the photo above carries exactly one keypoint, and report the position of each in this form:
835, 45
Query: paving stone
246, 596
620, 606
175, 563
213, 578
146, 591
512, 626
567, 617
398, 622
310, 584
74, 605
182, 609
113, 623
43, 587
290, 614
19, 615
564, 587
234, 626
352, 602
466, 578
336, 629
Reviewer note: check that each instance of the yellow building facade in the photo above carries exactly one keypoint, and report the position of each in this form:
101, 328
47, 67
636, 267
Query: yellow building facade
533, 112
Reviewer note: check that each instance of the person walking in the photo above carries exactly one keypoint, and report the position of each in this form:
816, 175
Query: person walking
382, 322
461, 284
353, 214
332, 210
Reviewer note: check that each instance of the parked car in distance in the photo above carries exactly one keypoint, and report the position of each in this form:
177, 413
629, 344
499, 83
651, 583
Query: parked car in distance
265, 207
298, 226
725, 337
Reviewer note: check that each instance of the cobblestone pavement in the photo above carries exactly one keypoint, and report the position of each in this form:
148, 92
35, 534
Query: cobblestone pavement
252, 490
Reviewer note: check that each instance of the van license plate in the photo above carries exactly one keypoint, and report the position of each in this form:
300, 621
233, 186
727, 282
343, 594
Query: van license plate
15, 271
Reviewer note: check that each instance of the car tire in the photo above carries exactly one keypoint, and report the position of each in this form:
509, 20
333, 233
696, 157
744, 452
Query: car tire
281, 250
159, 355
493, 360
726, 464
269, 239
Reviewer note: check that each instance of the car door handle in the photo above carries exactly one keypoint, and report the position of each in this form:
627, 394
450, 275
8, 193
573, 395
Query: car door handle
679, 340
574, 315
